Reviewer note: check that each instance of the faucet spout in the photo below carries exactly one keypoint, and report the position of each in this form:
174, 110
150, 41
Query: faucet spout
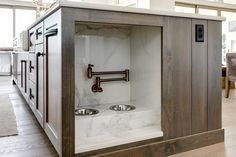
97, 86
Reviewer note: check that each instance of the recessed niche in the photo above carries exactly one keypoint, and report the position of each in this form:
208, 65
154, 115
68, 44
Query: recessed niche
111, 47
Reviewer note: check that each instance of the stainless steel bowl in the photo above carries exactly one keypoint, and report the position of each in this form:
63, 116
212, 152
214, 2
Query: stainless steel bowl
122, 107
85, 112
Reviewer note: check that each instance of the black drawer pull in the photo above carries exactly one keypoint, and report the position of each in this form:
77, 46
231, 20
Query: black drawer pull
51, 32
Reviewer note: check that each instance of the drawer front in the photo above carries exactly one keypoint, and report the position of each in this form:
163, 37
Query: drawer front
39, 33
32, 67
32, 95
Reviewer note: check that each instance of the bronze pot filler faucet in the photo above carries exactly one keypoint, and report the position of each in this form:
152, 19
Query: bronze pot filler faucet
97, 86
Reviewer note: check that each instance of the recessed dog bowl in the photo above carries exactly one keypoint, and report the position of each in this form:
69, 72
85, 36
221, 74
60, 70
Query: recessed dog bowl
122, 107
85, 112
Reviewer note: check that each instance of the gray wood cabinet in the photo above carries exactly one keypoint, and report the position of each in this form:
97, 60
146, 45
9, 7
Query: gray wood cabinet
191, 95
52, 49
177, 78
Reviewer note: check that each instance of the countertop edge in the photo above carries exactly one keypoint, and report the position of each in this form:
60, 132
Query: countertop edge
102, 7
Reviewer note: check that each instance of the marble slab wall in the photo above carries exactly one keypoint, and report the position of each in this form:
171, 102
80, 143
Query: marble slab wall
108, 49
145, 75
114, 48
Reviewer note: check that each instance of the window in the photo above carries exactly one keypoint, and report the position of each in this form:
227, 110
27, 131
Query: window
184, 9
24, 18
228, 34
6, 27
207, 12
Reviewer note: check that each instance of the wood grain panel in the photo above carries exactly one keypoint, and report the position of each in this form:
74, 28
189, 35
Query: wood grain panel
177, 78
53, 76
214, 75
199, 80
170, 147
68, 84
87, 15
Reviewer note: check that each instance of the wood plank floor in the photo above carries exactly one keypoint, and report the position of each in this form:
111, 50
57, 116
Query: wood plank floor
31, 140
227, 149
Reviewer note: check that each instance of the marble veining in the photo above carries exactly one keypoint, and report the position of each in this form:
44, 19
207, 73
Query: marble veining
108, 48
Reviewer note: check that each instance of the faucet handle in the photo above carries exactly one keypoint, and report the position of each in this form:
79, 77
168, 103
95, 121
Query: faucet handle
90, 70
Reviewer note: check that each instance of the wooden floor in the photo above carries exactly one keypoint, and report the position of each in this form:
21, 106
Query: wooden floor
31, 141
227, 149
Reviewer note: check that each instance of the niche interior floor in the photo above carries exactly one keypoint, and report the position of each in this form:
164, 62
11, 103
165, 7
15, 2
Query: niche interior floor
31, 140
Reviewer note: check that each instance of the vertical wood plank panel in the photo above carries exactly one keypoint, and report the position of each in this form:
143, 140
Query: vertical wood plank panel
214, 75
199, 80
68, 84
177, 78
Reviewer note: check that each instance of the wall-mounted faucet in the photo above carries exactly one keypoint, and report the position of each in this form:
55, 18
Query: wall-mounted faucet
97, 86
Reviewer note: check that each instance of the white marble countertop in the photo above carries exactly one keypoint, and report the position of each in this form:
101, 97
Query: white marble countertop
117, 8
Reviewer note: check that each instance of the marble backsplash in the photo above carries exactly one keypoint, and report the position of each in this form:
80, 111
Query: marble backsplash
108, 49
112, 48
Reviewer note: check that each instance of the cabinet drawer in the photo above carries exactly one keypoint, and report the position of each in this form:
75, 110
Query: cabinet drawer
39, 33
32, 95
32, 67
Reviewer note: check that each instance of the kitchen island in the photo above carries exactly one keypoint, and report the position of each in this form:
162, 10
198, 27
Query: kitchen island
171, 63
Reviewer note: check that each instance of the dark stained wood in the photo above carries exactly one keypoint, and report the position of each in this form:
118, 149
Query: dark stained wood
199, 80
176, 78
214, 75
90, 15
68, 85
170, 147
177, 84
31, 139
